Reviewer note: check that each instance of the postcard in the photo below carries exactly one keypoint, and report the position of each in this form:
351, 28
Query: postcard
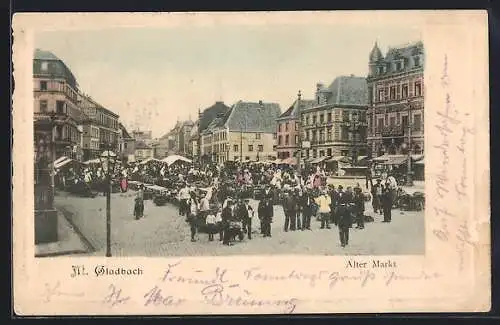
251, 163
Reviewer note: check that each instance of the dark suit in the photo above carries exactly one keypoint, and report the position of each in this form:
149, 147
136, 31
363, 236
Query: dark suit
387, 205
227, 216
359, 209
290, 209
266, 211
307, 210
344, 218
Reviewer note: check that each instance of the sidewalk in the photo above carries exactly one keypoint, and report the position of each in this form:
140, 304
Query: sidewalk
69, 242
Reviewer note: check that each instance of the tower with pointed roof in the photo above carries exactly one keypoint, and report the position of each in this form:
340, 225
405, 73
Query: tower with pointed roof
375, 60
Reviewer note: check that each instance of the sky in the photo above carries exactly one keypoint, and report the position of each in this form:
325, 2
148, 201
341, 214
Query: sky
153, 77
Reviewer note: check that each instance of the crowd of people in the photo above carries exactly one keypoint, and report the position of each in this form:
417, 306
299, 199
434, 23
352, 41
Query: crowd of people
224, 210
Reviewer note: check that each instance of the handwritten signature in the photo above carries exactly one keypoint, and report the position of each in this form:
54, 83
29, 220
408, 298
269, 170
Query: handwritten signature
55, 291
115, 296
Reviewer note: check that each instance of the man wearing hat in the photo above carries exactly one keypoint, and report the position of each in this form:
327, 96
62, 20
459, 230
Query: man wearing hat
377, 196
289, 207
344, 217
227, 216
266, 211
359, 207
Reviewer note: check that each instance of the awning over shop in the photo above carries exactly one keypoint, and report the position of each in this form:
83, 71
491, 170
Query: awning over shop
59, 163
417, 157
148, 160
360, 158
420, 162
289, 161
339, 159
395, 160
318, 160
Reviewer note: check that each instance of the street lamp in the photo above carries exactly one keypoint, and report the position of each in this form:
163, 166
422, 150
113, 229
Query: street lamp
108, 162
354, 129
409, 178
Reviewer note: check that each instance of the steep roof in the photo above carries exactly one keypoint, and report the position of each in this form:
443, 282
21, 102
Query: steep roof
376, 54
348, 90
210, 113
125, 134
142, 145
45, 55
291, 112
253, 117
408, 54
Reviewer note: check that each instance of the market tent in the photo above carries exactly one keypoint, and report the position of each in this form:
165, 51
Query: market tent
92, 161
174, 158
148, 160
58, 163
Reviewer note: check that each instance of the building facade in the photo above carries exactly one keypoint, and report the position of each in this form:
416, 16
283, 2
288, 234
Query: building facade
56, 104
287, 130
335, 125
126, 145
101, 128
245, 133
205, 118
142, 151
396, 100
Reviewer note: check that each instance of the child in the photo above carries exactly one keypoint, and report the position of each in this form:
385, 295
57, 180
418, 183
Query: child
211, 225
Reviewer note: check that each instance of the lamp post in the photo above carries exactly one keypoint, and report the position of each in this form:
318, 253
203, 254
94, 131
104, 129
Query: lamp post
108, 161
299, 129
409, 176
354, 128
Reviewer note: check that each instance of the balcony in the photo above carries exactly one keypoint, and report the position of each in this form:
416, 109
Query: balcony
392, 131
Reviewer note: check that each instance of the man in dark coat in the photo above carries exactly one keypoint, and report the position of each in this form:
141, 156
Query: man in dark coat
266, 211
387, 204
227, 216
289, 207
359, 207
307, 202
344, 218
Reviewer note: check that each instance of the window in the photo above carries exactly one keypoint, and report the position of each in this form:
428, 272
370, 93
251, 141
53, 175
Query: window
296, 126
416, 60
287, 140
257, 136
322, 153
60, 107
404, 91
43, 106
404, 121
329, 134
380, 124
280, 140
392, 121
286, 126
43, 85
345, 116
417, 122
235, 148
45, 66
380, 95
125, 145
392, 92
322, 136
329, 117
344, 135
307, 120
296, 139
380, 69
418, 89
321, 119
261, 148
399, 66
279, 127
329, 152
250, 147
315, 153
314, 119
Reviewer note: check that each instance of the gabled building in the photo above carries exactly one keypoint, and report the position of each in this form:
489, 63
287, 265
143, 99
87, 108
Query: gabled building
287, 129
396, 100
336, 124
245, 133
126, 144
142, 151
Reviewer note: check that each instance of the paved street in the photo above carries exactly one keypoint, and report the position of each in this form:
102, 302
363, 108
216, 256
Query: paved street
163, 233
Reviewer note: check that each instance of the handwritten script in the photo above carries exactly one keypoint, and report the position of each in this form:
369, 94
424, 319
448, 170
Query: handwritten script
453, 145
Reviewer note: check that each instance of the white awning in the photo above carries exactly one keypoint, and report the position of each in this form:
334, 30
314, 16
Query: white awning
61, 163
340, 158
92, 161
174, 158
148, 160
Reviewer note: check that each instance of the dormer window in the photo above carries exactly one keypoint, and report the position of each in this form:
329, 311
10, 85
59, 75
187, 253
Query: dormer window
399, 66
45, 66
416, 60
380, 70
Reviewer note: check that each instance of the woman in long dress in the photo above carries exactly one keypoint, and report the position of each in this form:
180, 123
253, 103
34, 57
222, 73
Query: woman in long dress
139, 203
